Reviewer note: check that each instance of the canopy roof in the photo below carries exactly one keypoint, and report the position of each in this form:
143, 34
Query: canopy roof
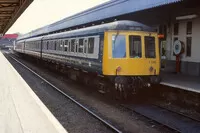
10, 10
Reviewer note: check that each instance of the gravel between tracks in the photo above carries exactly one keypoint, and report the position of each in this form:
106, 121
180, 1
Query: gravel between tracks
72, 117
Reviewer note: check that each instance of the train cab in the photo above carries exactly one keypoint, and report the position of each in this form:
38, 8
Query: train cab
132, 57
131, 54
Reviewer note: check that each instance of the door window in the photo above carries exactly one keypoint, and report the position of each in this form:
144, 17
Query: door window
150, 50
135, 46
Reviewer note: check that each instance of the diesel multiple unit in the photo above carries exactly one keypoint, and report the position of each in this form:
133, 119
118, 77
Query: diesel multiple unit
125, 53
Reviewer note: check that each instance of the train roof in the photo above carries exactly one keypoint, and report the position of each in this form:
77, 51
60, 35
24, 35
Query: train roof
117, 25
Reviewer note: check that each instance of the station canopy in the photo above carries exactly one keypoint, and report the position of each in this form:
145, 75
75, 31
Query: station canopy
10, 10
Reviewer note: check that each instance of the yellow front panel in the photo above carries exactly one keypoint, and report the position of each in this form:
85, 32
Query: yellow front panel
130, 66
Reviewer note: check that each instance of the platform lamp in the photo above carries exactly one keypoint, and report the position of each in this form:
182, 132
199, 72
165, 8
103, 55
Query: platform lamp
178, 49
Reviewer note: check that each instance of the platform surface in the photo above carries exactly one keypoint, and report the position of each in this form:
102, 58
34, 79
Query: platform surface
185, 82
21, 111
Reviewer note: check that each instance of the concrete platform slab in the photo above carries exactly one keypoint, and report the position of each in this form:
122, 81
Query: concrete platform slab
185, 82
21, 111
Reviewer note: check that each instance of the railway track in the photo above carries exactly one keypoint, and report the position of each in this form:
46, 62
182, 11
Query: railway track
179, 113
106, 123
176, 121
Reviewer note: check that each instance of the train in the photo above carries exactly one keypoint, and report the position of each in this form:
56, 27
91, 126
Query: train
124, 53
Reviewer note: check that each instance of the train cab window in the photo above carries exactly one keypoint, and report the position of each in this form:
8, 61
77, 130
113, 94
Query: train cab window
90, 45
72, 45
81, 46
135, 46
150, 50
118, 46
66, 45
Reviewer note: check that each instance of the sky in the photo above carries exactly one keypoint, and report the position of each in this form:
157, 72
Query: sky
43, 12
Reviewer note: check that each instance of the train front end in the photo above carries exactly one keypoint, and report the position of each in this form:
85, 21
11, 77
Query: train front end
132, 59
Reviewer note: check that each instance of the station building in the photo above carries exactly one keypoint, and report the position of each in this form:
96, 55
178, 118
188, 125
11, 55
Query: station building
175, 19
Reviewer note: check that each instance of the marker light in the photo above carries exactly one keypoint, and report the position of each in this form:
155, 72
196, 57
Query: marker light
118, 69
161, 36
151, 69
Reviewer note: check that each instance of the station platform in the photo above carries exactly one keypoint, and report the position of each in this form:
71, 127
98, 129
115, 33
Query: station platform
185, 82
21, 111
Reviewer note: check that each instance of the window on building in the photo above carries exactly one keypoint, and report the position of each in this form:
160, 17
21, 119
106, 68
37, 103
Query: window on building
176, 28
189, 46
165, 31
189, 28
135, 46
118, 46
175, 38
90, 45
72, 45
150, 48
66, 45
81, 46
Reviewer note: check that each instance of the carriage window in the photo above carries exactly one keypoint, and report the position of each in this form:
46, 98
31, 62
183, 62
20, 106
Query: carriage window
150, 51
118, 46
72, 45
135, 46
85, 46
60, 45
90, 45
81, 46
66, 45
55, 45
50, 45
47, 45
76, 46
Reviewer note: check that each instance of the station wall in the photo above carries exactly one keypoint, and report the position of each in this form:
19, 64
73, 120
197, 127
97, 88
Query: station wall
189, 34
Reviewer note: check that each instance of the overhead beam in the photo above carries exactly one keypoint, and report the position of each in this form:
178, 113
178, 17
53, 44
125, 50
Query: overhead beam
7, 9
8, 1
9, 5
17, 7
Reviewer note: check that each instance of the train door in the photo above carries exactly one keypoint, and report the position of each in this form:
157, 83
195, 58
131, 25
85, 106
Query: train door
23, 47
76, 47
41, 47
85, 47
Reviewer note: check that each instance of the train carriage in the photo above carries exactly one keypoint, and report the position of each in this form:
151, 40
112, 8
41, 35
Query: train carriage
125, 52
